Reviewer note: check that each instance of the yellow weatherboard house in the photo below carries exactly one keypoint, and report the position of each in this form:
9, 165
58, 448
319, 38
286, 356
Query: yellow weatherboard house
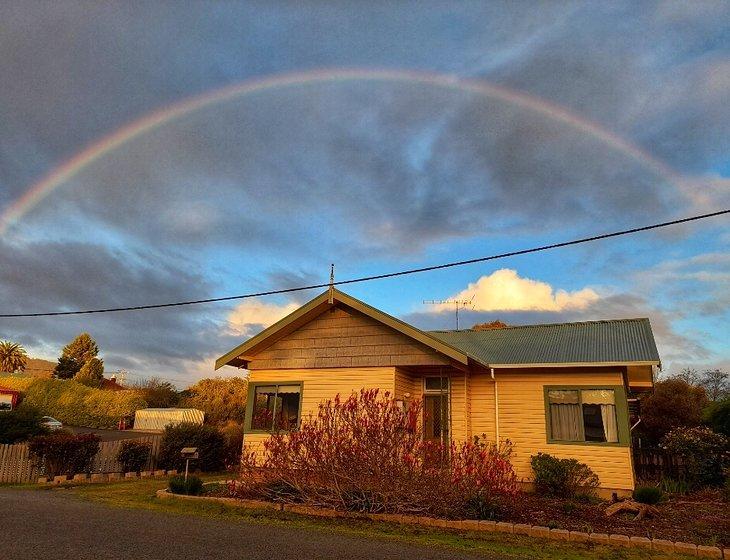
563, 389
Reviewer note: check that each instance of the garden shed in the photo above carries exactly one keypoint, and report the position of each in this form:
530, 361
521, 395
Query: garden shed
157, 419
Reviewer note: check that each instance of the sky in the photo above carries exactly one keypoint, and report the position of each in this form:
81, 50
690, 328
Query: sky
161, 151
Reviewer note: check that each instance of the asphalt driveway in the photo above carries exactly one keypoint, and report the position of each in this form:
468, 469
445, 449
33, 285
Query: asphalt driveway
49, 525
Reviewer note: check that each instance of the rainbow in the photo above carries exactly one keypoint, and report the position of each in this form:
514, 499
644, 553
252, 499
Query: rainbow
59, 175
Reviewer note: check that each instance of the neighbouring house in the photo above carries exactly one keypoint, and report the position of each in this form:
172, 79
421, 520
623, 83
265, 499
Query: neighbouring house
110, 384
562, 388
8, 399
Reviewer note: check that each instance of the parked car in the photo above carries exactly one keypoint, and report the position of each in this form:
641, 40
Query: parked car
51, 423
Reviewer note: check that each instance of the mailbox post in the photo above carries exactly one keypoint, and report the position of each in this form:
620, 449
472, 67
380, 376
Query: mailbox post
188, 453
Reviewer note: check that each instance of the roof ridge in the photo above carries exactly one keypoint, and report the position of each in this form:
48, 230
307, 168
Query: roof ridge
543, 325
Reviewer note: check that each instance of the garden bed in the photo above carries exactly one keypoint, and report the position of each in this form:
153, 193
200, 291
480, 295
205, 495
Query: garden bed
701, 518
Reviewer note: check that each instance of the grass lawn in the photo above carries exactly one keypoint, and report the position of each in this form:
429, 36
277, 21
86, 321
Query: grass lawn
141, 495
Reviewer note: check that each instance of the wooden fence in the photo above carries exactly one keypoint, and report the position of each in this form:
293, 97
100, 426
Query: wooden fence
652, 463
17, 466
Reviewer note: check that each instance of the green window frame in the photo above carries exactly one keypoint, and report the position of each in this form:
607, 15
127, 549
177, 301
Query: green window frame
622, 414
251, 401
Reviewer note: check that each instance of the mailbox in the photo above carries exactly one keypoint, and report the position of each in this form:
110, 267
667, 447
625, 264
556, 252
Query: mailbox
189, 453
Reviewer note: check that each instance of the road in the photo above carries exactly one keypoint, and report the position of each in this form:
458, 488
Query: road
50, 525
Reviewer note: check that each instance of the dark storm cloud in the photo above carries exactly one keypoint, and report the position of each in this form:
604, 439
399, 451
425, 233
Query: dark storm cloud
36, 277
362, 165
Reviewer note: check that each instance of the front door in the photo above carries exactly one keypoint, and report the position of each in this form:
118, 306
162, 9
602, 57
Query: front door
436, 408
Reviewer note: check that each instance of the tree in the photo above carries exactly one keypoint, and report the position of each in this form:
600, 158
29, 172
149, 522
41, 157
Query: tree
674, 403
13, 357
82, 348
717, 416
91, 373
716, 384
497, 324
74, 355
66, 368
688, 375
220, 399
209, 440
157, 393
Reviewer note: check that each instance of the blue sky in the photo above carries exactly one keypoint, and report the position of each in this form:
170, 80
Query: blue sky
627, 124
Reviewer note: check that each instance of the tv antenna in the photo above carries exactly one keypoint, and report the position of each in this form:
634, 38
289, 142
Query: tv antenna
457, 303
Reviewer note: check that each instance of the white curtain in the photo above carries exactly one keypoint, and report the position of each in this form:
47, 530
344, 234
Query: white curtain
565, 422
610, 426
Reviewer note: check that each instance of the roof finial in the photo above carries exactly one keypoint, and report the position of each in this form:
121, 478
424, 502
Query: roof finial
332, 284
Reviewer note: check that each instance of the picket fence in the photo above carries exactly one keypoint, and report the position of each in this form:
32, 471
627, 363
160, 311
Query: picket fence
17, 466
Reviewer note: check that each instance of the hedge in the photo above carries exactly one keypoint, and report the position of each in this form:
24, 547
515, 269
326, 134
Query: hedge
75, 404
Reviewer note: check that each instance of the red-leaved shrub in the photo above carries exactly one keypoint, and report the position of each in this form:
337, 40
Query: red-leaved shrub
367, 453
64, 453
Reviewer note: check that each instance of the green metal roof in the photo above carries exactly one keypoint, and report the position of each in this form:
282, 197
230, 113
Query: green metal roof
614, 341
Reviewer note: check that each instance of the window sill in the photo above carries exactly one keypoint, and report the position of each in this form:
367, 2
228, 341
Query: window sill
268, 432
589, 443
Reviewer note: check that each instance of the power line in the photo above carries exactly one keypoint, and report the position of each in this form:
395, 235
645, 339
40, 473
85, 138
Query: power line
377, 276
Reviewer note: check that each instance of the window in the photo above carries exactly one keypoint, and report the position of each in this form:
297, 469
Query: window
436, 408
274, 407
586, 415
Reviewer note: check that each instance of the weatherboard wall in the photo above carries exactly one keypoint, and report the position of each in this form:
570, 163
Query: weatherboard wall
522, 421
319, 385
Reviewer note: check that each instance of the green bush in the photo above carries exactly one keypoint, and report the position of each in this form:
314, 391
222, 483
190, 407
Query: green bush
210, 442
233, 434
648, 495
20, 424
564, 478
64, 453
75, 404
717, 416
192, 487
704, 453
133, 455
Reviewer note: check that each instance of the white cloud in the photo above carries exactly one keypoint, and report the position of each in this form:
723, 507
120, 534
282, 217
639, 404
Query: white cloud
505, 290
250, 316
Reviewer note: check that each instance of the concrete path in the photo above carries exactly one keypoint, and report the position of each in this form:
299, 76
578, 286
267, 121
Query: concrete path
50, 525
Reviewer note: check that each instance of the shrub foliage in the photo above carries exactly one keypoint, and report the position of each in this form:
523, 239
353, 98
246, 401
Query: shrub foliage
367, 453
64, 453
705, 454
75, 404
133, 455
566, 478
209, 441
192, 487
222, 400
648, 495
20, 424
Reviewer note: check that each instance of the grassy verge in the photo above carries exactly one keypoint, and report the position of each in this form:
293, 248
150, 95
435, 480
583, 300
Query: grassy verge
141, 495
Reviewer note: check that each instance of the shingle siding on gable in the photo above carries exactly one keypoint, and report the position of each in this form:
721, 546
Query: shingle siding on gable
344, 338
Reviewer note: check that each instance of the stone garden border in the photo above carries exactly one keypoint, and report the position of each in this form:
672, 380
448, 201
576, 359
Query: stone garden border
104, 477
660, 545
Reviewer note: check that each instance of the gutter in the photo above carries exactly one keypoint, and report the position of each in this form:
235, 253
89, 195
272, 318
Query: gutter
496, 406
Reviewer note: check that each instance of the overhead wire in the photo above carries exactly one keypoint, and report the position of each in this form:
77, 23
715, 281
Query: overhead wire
377, 276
